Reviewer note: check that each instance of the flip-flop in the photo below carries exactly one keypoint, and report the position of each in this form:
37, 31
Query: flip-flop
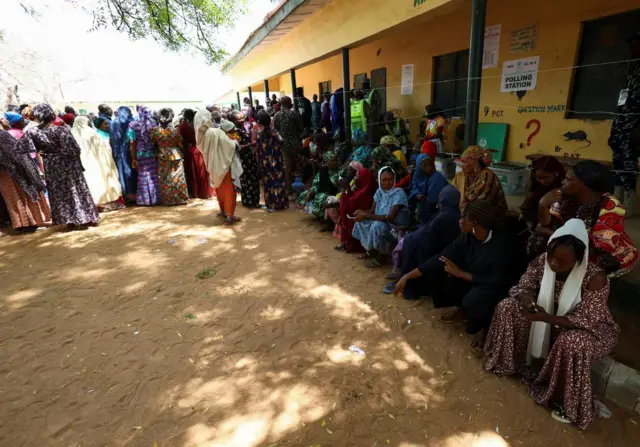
389, 288
339, 248
559, 415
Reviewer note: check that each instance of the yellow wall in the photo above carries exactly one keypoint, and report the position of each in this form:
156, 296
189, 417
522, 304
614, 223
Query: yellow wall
419, 40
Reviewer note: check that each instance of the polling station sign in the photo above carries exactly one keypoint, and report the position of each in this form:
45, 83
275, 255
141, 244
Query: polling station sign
520, 74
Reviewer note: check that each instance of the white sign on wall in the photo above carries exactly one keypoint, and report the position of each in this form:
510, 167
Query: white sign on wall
491, 46
407, 80
520, 74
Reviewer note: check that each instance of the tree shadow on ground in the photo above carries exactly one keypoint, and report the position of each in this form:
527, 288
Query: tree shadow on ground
110, 339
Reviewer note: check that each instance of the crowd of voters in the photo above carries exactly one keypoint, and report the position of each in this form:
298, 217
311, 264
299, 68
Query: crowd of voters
530, 284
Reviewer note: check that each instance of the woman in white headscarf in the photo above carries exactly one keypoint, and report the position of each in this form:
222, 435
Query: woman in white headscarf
558, 314
223, 163
100, 170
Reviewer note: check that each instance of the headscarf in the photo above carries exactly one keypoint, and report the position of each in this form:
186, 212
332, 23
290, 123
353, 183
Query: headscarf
595, 176
477, 153
449, 201
327, 156
218, 149
386, 200
97, 122
27, 113
419, 179
13, 117
362, 197
570, 296
430, 148
119, 127
358, 137
356, 165
58, 122
389, 139
19, 167
226, 125
44, 113
68, 119
400, 156
144, 124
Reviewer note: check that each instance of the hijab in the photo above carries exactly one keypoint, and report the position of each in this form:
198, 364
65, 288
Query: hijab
143, 125
419, 179
362, 197
13, 118
570, 297
19, 167
385, 200
119, 127
477, 153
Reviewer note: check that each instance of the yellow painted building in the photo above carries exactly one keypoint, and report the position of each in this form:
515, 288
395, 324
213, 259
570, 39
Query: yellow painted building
308, 36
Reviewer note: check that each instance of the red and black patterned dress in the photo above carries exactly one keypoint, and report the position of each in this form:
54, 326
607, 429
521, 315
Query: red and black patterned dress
171, 179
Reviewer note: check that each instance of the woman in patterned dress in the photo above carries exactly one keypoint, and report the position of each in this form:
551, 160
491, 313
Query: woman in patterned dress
557, 313
168, 145
270, 154
120, 148
325, 185
71, 201
250, 192
143, 158
21, 187
586, 194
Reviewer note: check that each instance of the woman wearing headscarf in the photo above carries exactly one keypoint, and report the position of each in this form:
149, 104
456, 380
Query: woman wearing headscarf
100, 170
250, 193
360, 198
194, 166
168, 146
586, 194
121, 136
143, 158
374, 227
426, 184
478, 182
21, 187
223, 164
362, 151
271, 160
325, 185
472, 274
429, 240
103, 128
16, 124
68, 118
557, 313
547, 174
69, 195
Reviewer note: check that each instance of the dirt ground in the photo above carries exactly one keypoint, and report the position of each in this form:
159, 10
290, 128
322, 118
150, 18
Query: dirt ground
108, 338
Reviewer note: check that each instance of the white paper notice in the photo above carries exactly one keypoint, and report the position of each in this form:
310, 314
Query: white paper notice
520, 74
491, 46
407, 80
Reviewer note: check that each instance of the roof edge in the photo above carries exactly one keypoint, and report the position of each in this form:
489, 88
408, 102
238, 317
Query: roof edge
277, 17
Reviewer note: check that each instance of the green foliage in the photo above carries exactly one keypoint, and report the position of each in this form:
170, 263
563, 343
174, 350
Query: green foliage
191, 25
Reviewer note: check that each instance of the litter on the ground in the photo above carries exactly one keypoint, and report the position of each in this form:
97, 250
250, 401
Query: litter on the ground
136, 332
137, 427
206, 273
202, 240
356, 350
601, 409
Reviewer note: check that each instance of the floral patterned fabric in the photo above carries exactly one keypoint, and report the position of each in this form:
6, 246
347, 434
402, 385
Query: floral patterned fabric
567, 370
250, 192
71, 201
272, 163
171, 178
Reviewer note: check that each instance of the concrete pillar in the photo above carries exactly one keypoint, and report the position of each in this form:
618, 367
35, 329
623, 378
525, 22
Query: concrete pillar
347, 101
474, 83
266, 91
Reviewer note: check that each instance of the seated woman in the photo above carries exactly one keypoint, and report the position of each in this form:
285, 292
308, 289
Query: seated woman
557, 313
472, 273
478, 182
362, 151
417, 247
373, 227
547, 174
350, 202
426, 185
325, 185
586, 194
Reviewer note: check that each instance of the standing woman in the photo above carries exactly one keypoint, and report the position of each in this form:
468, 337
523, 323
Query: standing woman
100, 171
250, 186
168, 145
270, 154
103, 129
21, 187
16, 123
120, 142
195, 169
71, 201
143, 158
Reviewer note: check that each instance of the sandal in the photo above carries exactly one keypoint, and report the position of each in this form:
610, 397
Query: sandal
364, 256
559, 415
453, 317
389, 288
340, 248
373, 263
221, 214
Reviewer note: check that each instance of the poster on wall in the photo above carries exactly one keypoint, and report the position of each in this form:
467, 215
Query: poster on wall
523, 39
520, 74
407, 79
491, 46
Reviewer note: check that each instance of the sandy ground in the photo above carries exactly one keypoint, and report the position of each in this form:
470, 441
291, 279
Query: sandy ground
109, 339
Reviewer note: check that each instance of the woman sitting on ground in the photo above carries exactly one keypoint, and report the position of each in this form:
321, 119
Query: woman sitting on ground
350, 202
472, 274
478, 182
374, 227
557, 313
586, 194
547, 174
417, 247
325, 185
426, 185
362, 151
